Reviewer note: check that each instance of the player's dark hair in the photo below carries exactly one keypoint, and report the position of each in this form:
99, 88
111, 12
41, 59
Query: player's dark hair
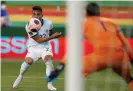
93, 9
37, 8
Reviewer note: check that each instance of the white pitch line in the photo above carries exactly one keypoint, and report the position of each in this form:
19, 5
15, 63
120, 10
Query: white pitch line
29, 77
60, 78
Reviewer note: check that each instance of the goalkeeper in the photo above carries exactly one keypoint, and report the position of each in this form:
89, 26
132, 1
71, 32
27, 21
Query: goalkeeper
102, 32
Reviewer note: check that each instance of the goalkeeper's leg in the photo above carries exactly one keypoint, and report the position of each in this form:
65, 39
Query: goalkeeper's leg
124, 72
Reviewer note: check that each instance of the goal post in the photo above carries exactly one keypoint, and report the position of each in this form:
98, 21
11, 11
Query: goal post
73, 75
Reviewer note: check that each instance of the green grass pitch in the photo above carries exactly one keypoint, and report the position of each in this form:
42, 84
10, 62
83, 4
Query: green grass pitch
33, 80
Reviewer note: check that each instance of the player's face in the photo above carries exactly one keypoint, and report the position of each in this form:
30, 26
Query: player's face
37, 14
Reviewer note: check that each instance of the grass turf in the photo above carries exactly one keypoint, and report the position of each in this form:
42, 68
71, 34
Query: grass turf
33, 80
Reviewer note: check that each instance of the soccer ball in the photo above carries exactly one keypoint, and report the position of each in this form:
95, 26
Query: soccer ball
34, 23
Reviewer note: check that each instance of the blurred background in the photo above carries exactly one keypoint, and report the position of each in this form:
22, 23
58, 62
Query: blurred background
15, 15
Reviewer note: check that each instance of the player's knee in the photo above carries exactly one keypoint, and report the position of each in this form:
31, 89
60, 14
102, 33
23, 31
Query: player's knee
29, 60
48, 57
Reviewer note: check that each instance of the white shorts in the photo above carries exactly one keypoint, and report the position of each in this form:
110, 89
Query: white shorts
38, 52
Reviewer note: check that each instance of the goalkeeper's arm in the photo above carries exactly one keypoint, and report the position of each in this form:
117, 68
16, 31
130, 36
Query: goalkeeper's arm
126, 45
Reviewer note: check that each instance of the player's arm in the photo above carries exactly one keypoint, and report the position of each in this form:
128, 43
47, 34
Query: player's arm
34, 34
51, 35
125, 43
39, 39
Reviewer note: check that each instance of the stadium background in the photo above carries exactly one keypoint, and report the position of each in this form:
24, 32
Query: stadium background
14, 39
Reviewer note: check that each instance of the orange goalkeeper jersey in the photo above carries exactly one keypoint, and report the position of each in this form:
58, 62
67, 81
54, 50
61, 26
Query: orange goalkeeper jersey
101, 32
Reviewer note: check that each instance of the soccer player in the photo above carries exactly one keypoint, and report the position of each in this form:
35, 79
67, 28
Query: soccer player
38, 46
111, 48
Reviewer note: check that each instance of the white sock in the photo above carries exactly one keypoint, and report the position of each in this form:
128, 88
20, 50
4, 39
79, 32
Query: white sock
24, 67
49, 67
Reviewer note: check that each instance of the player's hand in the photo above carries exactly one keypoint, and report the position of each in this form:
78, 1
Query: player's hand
57, 34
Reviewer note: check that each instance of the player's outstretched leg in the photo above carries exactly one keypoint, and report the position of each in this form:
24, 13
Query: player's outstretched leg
23, 69
49, 69
55, 73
